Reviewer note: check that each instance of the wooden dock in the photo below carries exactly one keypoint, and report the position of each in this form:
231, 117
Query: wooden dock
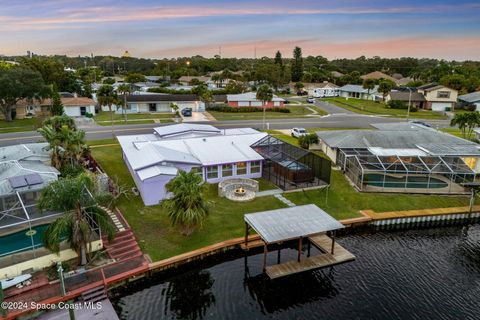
325, 259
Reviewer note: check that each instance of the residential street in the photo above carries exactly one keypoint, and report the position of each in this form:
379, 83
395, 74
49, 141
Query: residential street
338, 120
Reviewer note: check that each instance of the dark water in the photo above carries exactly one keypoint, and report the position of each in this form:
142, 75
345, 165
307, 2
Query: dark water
416, 274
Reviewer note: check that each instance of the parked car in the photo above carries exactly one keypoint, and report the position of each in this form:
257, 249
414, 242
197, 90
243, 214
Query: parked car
187, 112
298, 132
302, 93
421, 123
311, 100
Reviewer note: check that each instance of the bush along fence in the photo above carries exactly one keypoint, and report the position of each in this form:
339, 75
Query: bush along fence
246, 109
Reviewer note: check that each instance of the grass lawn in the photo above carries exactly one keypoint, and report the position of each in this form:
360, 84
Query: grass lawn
457, 132
296, 111
19, 125
151, 224
372, 107
103, 118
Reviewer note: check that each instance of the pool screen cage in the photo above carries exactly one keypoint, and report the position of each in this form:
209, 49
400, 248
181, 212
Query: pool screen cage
396, 173
290, 167
19, 213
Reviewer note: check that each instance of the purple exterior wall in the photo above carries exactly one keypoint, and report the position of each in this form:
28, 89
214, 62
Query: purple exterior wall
153, 190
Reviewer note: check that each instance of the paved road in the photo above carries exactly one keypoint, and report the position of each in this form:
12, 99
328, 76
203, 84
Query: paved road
94, 132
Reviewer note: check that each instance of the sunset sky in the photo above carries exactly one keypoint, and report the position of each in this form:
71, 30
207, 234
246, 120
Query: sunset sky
157, 29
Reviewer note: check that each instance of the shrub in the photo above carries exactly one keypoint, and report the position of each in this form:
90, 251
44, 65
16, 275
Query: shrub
307, 140
71, 170
225, 108
397, 104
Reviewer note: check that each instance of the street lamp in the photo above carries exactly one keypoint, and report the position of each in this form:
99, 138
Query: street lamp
409, 101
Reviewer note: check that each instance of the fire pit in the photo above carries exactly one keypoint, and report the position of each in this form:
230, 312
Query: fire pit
240, 192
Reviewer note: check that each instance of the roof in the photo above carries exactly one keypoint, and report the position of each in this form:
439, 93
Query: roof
357, 88
66, 101
405, 96
336, 74
148, 84
430, 87
161, 97
396, 152
185, 128
196, 144
190, 78
377, 75
248, 96
324, 85
470, 97
408, 139
448, 149
400, 126
291, 223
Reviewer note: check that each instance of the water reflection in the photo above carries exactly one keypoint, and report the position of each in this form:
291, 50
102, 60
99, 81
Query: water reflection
190, 295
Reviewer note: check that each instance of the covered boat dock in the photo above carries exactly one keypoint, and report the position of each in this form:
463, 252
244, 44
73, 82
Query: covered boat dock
299, 222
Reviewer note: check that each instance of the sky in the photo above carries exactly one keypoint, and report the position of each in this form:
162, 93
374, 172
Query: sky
242, 28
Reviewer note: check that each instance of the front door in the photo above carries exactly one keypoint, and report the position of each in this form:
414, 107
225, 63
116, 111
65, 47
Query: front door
83, 111
152, 107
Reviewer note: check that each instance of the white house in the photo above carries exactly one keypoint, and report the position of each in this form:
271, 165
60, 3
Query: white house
249, 99
216, 155
144, 103
324, 89
438, 97
358, 92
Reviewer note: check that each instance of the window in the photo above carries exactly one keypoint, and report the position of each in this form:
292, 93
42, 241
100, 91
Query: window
276, 103
443, 94
197, 170
244, 103
212, 172
241, 168
227, 170
255, 167
256, 103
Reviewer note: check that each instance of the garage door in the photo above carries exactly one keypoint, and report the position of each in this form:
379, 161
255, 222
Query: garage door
440, 106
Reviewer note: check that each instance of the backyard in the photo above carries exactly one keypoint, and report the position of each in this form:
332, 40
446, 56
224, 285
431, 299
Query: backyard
103, 118
160, 240
378, 108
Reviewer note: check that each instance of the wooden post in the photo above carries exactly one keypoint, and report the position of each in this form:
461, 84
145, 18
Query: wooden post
246, 235
265, 251
333, 242
299, 248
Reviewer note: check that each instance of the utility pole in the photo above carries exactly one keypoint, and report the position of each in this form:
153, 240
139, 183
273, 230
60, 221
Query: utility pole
409, 101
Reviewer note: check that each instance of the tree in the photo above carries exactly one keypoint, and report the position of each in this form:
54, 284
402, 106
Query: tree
187, 207
203, 93
278, 59
299, 86
368, 84
135, 77
384, 88
466, 122
125, 89
72, 196
17, 84
106, 96
264, 94
297, 65
56, 109
307, 140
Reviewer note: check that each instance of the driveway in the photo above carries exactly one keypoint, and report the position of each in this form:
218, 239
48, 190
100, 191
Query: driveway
331, 108
198, 117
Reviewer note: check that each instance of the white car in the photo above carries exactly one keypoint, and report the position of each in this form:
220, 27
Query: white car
298, 132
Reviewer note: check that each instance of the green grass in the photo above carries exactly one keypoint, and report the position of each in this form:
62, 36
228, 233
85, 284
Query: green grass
103, 118
93, 143
458, 133
372, 107
151, 224
295, 112
19, 125
264, 184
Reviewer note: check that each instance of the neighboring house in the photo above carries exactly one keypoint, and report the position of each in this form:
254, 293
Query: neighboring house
336, 74
377, 75
403, 157
416, 99
73, 106
187, 80
249, 99
144, 103
154, 159
473, 97
358, 92
144, 86
157, 78
324, 89
438, 97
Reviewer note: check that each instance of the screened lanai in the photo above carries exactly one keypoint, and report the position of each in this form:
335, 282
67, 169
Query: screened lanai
405, 172
290, 167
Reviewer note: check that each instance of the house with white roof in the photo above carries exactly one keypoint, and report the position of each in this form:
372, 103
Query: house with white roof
473, 98
154, 159
358, 92
249, 99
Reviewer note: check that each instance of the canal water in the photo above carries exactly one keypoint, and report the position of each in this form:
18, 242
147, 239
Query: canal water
415, 274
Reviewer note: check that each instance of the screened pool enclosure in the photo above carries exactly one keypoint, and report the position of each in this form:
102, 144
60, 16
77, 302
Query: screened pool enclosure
290, 167
406, 173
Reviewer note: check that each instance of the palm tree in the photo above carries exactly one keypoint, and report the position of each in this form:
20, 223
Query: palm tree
187, 207
124, 89
384, 88
460, 120
264, 94
368, 84
73, 197
106, 96
54, 144
466, 122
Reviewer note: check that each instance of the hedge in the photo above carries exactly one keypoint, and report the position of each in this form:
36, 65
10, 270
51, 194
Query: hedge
246, 109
